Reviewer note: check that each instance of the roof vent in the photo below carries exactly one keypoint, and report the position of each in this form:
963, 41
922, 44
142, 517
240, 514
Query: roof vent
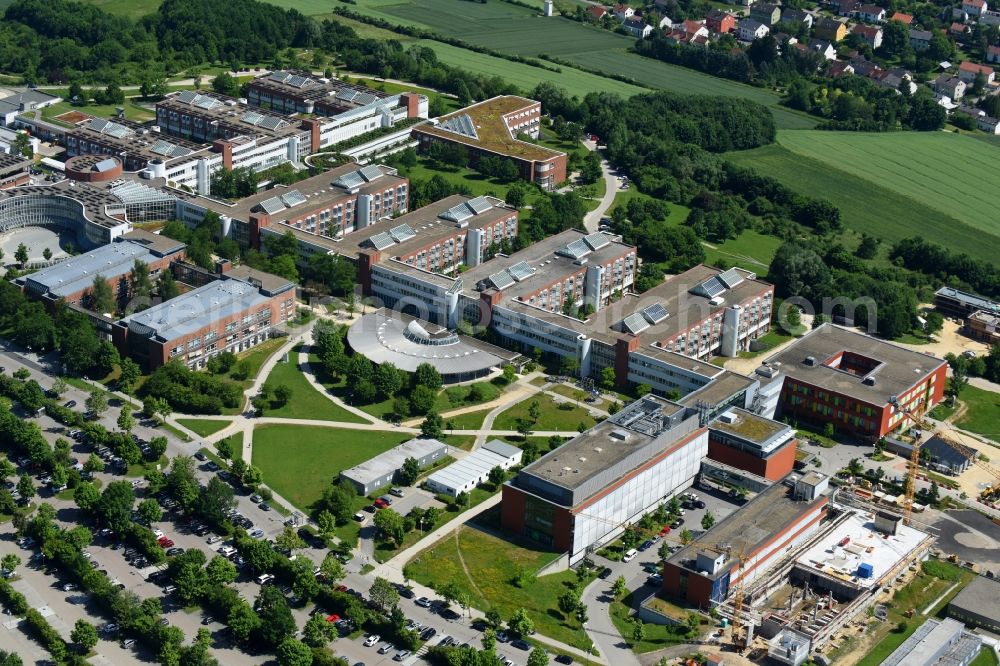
728, 417
810, 360
618, 434
868, 381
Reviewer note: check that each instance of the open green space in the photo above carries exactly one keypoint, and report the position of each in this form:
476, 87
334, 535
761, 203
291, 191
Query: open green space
866, 202
255, 358
750, 250
486, 567
655, 636
300, 462
983, 413
132, 110
467, 420
306, 402
986, 657
133, 9
551, 415
203, 427
950, 173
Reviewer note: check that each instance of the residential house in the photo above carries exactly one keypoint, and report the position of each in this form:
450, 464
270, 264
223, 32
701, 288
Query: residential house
829, 29
720, 22
824, 48
871, 13
597, 11
974, 8
766, 13
751, 29
971, 111
896, 79
797, 17
905, 19
694, 28
845, 7
866, 68
958, 30
990, 18
840, 67
665, 23
993, 54
949, 85
623, 12
689, 32
636, 27
955, 14
988, 124
920, 40
870, 33
967, 71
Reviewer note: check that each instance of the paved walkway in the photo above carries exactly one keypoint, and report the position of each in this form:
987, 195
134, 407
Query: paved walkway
592, 219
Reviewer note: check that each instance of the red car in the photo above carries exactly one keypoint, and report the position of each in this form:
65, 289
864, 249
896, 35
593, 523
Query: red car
332, 618
381, 503
165, 542
665, 531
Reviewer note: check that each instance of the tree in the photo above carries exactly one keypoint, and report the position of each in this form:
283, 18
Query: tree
390, 525
22, 146
166, 286
150, 511
538, 657
86, 495
686, 536
253, 476
427, 375
289, 540
21, 254
489, 639
130, 373
215, 500
493, 618
520, 623
568, 601
304, 583
102, 299
115, 505
497, 476
332, 569
432, 426
97, 402
126, 422
517, 195
388, 380
220, 571
318, 632
409, 471
225, 84
934, 322
47, 254
422, 399
84, 634
619, 588
10, 562
282, 394
157, 447
638, 632
708, 520
181, 481
383, 594
242, 621
276, 621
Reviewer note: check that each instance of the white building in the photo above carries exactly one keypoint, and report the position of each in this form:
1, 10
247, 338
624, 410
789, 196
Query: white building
475, 468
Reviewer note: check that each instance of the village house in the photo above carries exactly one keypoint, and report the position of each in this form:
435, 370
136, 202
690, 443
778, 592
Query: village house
974, 8
597, 11
840, 67
824, 48
905, 19
920, 40
967, 71
636, 27
751, 29
829, 29
871, 13
720, 22
951, 86
623, 12
988, 124
797, 17
766, 13
871, 34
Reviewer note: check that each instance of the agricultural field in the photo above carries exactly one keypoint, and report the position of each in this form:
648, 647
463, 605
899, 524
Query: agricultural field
866, 203
950, 173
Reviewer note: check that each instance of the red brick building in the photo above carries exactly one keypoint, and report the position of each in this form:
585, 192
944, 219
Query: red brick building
14, 171
752, 443
491, 128
864, 386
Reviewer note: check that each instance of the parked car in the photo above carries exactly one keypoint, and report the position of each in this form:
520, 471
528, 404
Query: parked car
174, 551
401, 655
385, 648
423, 602
256, 533
70, 404
128, 643
521, 644
256, 499
397, 492
604, 575
264, 506
428, 633
200, 456
372, 640
630, 555
564, 659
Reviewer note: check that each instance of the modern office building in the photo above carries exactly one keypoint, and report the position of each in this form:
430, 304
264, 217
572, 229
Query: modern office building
983, 326
321, 209
294, 91
380, 471
750, 442
473, 469
385, 336
581, 495
132, 144
862, 385
72, 281
748, 542
14, 105
234, 313
957, 303
978, 604
14, 170
937, 643
491, 129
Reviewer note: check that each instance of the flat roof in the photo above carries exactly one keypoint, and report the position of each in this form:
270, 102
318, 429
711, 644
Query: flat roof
12, 103
77, 273
230, 112
491, 131
328, 92
970, 299
385, 336
135, 139
267, 282
749, 426
719, 390
476, 465
981, 597
10, 162
898, 371
865, 545
95, 198
631, 430
932, 643
389, 461
157, 244
747, 529
317, 190
193, 310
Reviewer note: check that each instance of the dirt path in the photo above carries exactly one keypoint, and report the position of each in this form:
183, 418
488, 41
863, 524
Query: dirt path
468, 574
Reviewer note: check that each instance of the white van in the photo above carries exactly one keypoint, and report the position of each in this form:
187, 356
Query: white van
630, 555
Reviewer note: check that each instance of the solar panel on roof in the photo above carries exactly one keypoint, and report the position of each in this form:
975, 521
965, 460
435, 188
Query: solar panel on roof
710, 288
118, 131
293, 198
381, 241
654, 313
575, 250
730, 278
279, 76
206, 102
370, 172
502, 280
186, 96
272, 205
98, 125
521, 271
403, 232
364, 98
635, 323
298, 81
163, 148
479, 205
596, 241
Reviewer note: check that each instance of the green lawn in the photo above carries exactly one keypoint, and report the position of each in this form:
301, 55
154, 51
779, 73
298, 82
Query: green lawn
132, 110
203, 427
551, 418
986, 657
983, 415
750, 250
490, 566
299, 462
384, 551
655, 636
867, 202
468, 420
458, 396
306, 401
477, 183
256, 357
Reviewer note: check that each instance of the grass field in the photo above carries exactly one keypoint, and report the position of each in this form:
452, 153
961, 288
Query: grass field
133, 9
947, 172
865, 203
306, 402
299, 462
203, 427
485, 567
132, 111
551, 416
983, 415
